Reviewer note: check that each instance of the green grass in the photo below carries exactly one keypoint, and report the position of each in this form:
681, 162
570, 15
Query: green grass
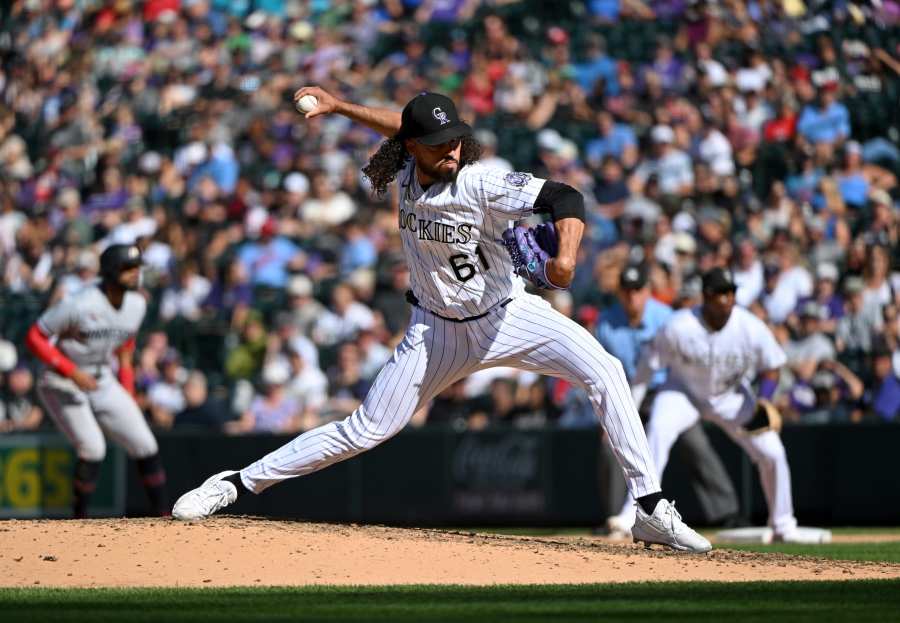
866, 530
877, 552
645, 602
570, 531
888, 551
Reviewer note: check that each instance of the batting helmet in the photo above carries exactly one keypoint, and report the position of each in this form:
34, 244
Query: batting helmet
118, 257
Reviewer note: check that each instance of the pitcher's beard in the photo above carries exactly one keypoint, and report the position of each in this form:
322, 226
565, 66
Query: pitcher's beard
440, 174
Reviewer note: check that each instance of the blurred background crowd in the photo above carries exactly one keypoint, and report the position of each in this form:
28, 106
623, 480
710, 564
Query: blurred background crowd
761, 135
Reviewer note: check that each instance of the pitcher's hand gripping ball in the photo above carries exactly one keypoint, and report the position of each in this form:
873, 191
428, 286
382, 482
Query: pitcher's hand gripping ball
530, 248
306, 104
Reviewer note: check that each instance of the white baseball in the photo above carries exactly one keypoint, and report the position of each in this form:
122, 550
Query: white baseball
307, 103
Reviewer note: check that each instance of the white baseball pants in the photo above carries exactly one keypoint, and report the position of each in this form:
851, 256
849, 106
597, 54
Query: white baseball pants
673, 413
83, 417
527, 333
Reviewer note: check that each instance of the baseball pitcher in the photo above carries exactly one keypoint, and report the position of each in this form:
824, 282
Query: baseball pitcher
470, 308
76, 339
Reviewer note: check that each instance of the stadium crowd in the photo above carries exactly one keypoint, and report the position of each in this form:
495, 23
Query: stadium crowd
759, 135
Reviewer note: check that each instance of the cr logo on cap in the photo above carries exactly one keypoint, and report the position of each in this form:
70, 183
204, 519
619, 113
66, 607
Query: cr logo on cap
440, 115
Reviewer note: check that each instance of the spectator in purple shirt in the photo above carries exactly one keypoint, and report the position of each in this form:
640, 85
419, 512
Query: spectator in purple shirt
114, 196
831, 395
884, 397
274, 411
825, 294
668, 10
231, 292
446, 11
669, 69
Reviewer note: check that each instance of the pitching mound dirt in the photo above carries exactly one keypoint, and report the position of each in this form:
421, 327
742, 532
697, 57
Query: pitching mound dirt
229, 551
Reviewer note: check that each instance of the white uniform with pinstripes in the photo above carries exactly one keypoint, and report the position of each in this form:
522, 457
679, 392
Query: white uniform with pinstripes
459, 269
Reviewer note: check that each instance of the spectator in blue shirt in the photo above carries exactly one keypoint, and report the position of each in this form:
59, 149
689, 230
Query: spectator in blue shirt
359, 251
614, 139
597, 66
222, 167
804, 184
827, 122
606, 11
852, 180
269, 260
630, 324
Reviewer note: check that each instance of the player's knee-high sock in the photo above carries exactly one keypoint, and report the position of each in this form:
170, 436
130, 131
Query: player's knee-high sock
83, 485
154, 478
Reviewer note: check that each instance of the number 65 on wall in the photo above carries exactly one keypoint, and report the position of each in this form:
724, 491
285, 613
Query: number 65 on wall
36, 478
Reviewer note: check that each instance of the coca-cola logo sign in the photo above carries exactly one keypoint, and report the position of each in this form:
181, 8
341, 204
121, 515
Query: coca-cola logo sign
508, 462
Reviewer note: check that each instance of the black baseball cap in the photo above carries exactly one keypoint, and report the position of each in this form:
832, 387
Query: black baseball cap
431, 119
119, 257
633, 277
718, 281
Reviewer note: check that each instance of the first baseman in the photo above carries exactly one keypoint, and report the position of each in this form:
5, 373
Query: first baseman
470, 308
76, 339
713, 352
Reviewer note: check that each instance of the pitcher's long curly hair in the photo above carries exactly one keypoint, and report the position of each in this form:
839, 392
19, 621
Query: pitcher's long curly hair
390, 158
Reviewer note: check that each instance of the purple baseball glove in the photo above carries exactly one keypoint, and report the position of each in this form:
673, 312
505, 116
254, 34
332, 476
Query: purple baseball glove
530, 249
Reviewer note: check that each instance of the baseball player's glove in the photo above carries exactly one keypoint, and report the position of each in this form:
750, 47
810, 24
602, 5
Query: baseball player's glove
530, 248
766, 417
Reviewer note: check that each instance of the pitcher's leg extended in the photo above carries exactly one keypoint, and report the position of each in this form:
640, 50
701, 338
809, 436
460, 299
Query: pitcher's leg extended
672, 413
557, 346
433, 355
387, 408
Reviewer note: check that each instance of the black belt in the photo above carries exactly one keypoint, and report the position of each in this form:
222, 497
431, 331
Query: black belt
95, 370
412, 300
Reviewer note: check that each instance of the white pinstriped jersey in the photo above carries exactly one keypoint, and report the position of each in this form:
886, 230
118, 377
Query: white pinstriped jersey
712, 365
89, 328
452, 237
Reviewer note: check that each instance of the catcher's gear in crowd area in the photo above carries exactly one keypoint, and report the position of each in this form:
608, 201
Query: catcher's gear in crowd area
118, 257
766, 417
530, 248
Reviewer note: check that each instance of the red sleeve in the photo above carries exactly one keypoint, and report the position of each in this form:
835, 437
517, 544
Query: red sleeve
126, 346
126, 371
38, 344
126, 378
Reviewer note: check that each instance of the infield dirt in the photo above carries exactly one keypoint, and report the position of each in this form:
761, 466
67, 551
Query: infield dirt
239, 551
